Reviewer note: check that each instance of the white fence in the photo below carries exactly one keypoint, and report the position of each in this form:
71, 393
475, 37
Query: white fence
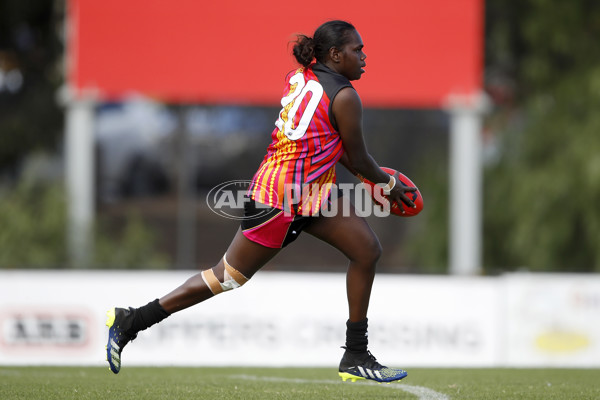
298, 319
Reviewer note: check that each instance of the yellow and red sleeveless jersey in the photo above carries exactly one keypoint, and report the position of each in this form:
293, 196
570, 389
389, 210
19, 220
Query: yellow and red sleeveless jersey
298, 170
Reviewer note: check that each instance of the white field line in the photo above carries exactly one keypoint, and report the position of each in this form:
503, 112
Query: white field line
421, 392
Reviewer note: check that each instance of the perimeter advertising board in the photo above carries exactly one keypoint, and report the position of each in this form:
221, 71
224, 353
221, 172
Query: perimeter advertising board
298, 319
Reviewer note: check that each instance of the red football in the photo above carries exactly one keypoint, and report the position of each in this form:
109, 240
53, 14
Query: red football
396, 208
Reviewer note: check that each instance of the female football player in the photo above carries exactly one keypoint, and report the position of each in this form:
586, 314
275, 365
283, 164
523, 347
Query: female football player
319, 125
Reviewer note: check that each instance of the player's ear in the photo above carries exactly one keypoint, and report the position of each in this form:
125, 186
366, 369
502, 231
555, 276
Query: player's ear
334, 54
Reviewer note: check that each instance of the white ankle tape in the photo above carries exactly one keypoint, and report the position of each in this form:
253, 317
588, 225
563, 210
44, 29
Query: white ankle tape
232, 279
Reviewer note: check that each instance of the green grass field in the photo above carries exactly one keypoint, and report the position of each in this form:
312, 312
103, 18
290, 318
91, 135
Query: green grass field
61, 383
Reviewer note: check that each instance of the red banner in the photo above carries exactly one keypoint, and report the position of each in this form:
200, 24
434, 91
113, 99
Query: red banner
238, 52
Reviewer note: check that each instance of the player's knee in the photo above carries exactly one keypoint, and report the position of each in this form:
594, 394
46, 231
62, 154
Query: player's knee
232, 278
367, 254
372, 251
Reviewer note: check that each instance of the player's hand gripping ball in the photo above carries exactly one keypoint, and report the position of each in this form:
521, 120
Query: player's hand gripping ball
396, 208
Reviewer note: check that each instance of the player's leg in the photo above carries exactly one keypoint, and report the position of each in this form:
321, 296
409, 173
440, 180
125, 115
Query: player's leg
353, 236
242, 260
243, 255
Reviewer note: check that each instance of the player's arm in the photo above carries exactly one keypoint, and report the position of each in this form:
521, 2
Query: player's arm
346, 163
347, 112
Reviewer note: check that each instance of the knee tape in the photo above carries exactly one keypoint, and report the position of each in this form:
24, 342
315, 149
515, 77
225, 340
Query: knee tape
232, 279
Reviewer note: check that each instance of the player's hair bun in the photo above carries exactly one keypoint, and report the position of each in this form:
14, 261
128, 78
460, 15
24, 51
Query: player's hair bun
304, 50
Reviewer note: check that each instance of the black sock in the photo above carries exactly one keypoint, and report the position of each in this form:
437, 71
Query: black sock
148, 315
357, 337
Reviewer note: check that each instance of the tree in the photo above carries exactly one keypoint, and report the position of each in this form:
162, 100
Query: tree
30, 51
542, 151
542, 192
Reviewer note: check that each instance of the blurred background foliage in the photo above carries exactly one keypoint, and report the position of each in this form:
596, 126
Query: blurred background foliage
30, 74
541, 152
32, 200
543, 189
33, 234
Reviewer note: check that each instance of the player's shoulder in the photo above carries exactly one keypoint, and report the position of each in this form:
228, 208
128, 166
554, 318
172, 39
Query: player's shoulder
347, 97
332, 82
